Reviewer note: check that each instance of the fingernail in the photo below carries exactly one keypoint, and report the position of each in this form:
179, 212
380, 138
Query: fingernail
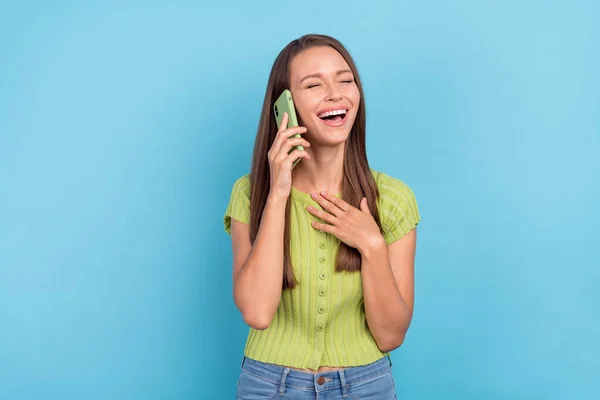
313, 195
323, 193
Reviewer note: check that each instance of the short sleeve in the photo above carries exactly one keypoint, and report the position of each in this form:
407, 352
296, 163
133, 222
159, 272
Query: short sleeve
397, 207
239, 203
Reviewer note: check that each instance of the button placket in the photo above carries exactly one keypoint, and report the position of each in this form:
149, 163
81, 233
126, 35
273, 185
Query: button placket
322, 286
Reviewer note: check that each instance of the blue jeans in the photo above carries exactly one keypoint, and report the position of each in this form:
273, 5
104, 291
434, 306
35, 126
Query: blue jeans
262, 381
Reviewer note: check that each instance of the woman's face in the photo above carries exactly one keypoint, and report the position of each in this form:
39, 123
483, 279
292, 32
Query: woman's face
325, 94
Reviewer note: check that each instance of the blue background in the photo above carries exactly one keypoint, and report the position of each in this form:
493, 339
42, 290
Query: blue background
123, 126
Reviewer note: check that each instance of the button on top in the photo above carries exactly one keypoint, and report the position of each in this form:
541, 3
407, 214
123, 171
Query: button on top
322, 260
319, 328
321, 380
321, 310
322, 292
322, 245
322, 275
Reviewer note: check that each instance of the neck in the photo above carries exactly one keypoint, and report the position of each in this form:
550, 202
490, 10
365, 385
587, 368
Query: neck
324, 172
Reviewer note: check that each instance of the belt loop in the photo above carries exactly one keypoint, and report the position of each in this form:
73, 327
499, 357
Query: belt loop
243, 360
390, 360
284, 375
343, 383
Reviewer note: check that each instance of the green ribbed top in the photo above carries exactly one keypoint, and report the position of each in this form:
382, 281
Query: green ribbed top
321, 322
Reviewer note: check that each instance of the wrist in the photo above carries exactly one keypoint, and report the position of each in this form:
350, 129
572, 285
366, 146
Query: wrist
276, 199
373, 246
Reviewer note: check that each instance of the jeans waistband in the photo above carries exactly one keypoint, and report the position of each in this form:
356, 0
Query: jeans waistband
316, 381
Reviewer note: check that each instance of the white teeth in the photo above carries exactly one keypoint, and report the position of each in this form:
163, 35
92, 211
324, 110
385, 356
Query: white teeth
330, 113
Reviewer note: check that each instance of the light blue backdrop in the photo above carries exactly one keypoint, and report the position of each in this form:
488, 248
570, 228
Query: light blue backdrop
124, 124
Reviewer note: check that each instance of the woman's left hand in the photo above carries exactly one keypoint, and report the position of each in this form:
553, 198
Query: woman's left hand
355, 227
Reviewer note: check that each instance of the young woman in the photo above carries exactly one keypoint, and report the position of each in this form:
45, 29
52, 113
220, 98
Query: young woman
323, 253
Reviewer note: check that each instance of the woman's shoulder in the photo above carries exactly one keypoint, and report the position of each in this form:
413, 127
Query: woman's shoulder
390, 185
239, 202
397, 206
242, 181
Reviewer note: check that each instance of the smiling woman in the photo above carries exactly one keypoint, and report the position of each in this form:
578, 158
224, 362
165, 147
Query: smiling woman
323, 252
318, 73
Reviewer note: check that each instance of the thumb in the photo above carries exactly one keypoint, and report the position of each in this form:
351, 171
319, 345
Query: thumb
364, 206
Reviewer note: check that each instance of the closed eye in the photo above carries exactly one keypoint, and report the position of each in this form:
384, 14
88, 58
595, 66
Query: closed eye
313, 85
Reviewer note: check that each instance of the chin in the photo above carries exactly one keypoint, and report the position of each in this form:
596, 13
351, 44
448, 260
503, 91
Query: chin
329, 138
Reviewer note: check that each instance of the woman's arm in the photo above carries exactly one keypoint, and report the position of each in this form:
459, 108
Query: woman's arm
258, 268
388, 289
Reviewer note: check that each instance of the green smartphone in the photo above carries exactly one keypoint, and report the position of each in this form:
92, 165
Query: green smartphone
285, 104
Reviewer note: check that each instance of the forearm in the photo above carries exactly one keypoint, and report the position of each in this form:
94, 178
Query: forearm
258, 285
388, 315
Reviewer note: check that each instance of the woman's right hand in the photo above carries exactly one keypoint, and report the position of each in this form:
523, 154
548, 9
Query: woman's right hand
280, 162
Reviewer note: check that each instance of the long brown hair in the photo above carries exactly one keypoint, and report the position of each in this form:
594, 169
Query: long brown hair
358, 182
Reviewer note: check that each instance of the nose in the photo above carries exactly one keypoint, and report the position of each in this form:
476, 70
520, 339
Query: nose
333, 94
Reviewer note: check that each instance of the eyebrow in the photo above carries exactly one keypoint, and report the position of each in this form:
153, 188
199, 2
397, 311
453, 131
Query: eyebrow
317, 75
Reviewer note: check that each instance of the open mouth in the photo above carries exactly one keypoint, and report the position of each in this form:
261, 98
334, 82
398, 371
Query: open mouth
334, 117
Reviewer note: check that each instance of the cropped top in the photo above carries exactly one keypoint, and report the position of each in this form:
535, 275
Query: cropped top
322, 321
